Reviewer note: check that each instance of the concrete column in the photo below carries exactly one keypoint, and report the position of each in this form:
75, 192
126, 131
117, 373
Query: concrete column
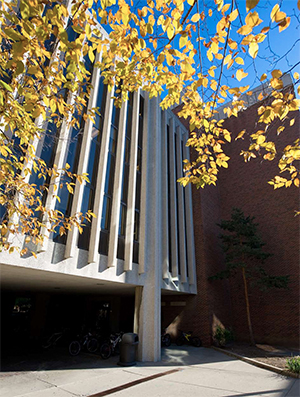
164, 194
132, 183
190, 227
149, 322
117, 190
181, 214
173, 209
102, 165
82, 165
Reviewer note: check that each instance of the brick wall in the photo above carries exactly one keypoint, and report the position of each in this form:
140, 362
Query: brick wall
275, 313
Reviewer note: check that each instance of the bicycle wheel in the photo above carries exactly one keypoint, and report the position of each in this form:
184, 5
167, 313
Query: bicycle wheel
92, 345
180, 341
196, 341
74, 348
166, 340
105, 351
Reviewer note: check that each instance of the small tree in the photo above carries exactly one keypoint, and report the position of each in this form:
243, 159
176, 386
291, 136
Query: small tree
243, 249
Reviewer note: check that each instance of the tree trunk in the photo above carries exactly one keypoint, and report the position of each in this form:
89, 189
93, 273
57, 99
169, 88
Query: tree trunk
252, 341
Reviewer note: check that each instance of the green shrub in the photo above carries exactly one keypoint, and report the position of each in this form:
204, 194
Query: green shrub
223, 335
293, 364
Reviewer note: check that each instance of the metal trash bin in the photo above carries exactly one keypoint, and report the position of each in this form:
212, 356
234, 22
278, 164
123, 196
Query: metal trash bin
128, 350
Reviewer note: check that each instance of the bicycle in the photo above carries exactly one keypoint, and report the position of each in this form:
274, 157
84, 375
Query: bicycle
53, 339
88, 341
166, 339
187, 337
109, 347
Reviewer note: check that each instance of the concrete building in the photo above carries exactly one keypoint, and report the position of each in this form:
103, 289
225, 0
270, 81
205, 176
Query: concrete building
142, 264
139, 247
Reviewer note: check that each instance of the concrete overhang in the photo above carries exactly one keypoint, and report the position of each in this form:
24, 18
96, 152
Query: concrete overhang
20, 278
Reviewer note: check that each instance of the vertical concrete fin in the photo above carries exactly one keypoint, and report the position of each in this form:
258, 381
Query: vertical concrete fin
190, 225
164, 194
144, 185
129, 231
101, 174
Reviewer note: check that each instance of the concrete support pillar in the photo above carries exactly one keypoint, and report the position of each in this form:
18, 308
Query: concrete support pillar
164, 194
149, 299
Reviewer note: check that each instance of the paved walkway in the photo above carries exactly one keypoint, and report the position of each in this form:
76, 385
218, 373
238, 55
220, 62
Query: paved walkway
185, 371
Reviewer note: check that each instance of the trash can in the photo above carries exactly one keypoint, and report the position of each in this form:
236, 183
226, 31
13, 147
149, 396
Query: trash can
128, 350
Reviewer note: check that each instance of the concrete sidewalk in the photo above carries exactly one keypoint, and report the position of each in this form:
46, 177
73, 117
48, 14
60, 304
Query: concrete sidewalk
197, 372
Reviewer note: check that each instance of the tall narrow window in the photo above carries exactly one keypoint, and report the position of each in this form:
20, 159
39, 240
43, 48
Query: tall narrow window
177, 207
185, 220
89, 189
136, 235
109, 182
124, 195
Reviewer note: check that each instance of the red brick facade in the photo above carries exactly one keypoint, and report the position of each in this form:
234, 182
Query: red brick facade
275, 313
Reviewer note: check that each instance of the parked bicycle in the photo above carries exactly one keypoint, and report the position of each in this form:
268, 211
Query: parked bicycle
85, 341
54, 338
111, 346
187, 337
166, 339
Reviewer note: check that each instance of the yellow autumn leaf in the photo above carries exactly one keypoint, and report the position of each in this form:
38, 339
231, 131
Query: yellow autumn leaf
253, 49
244, 30
284, 24
276, 73
252, 19
183, 40
225, 8
240, 135
263, 77
261, 139
233, 15
213, 85
195, 18
240, 74
239, 60
251, 4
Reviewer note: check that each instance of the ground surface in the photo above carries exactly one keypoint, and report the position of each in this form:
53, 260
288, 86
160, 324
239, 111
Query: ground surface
275, 356
184, 371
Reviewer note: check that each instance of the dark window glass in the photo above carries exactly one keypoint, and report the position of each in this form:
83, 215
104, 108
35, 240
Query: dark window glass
125, 176
185, 220
109, 182
136, 236
169, 197
177, 209
89, 189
